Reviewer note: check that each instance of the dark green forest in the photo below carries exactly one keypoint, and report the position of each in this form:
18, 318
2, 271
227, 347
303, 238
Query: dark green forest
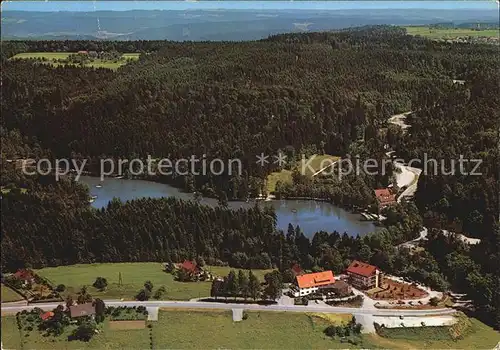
297, 93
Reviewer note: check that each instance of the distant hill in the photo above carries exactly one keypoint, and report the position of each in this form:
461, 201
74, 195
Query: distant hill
212, 25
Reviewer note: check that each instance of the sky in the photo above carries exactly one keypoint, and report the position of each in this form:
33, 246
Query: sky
98, 5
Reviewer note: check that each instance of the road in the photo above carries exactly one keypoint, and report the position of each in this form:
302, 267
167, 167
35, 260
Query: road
422, 236
326, 167
400, 120
229, 306
412, 187
407, 176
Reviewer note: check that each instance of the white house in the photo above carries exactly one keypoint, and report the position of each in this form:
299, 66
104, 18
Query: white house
311, 282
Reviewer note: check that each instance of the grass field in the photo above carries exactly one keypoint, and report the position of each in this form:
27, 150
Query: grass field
133, 277
318, 162
449, 33
285, 176
51, 56
216, 330
192, 329
9, 295
477, 336
210, 329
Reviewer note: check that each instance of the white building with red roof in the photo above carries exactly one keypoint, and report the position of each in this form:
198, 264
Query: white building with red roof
311, 282
363, 275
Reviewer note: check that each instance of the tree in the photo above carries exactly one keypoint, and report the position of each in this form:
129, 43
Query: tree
85, 331
253, 286
84, 296
231, 285
434, 301
69, 301
100, 283
243, 284
143, 295
169, 267
288, 276
148, 285
200, 262
274, 285
160, 292
100, 309
330, 331
182, 275
60, 288
217, 288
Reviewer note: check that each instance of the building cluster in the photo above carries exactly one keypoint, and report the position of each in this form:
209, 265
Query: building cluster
79, 310
360, 275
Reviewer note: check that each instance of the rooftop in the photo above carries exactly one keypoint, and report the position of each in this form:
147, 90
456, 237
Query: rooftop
82, 310
384, 195
315, 279
361, 268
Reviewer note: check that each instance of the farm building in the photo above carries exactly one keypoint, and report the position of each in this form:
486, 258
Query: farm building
80, 310
363, 275
190, 267
25, 275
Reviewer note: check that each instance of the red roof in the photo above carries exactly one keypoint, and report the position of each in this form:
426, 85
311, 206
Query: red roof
45, 316
361, 268
189, 266
384, 195
24, 274
315, 279
297, 270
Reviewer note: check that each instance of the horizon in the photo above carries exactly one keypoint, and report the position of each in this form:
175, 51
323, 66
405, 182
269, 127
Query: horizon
329, 5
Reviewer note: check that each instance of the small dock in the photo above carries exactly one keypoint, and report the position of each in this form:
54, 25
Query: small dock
369, 216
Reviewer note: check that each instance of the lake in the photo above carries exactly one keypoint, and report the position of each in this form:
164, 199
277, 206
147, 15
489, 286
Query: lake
311, 216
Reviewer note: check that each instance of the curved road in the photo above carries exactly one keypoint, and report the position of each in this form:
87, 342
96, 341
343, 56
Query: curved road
229, 306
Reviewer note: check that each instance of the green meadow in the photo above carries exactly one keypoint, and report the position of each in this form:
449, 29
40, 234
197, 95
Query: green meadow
52, 56
133, 276
285, 175
450, 33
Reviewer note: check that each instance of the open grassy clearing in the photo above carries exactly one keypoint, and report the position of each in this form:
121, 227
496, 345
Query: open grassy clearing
51, 56
450, 33
332, 318
216, 330
9, 295
476, 335
133, 277
209, 329
317, 162
284, 176
200, 329
7, 190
